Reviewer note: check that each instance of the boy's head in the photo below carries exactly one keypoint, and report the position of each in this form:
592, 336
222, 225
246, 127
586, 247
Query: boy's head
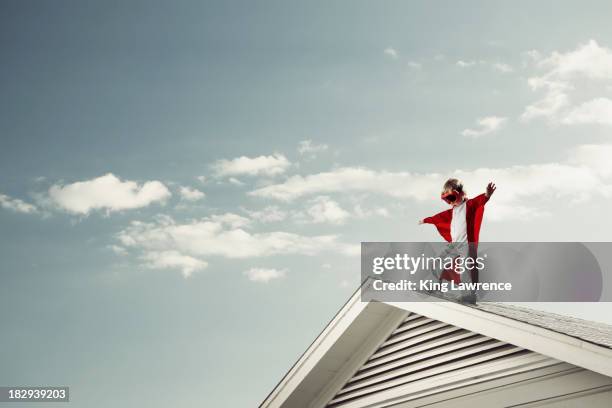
452, 192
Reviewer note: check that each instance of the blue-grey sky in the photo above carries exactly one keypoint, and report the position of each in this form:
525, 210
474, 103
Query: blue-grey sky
185, 184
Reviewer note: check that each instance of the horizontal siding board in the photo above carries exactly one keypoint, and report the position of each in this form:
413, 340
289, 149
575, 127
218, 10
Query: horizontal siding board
433, 342
446, 350
466, 362
411, 325
498, 368
415, 340
423, 351
426, 328
479, 352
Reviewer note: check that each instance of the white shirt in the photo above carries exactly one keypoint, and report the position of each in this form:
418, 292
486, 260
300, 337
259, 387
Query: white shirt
459, 224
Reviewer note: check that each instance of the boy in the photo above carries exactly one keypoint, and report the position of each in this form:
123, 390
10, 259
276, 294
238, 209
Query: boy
461, 223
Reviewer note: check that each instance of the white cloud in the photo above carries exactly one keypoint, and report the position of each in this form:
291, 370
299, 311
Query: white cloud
322, 209
554, 100
595, 157
414, 65
17, 205
486, 125
523, 189
201, 179
596, 111
173, 260
264, 275
271, 213
252, 166
230, 219
564, 73
310, 148
465, 64
235, 181
349, 179
108, 193
361, 212
118, 250
590, 61
391, 52
503, 68
191, 194
220, 236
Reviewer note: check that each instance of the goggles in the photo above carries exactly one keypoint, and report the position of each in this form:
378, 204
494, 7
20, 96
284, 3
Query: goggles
451, 196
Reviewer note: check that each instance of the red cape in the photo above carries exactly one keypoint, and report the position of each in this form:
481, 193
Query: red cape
473, 217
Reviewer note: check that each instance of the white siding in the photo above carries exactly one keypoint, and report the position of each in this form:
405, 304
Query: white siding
423, 355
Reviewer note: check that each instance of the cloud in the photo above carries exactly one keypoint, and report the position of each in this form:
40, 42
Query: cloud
219, 236
414, 65
562, 73
554, 100
230, 219
191, 194
465, 64
596, 111
107, 193
173, 260
322, 209
486, 125
235, 181
593, 156
252, 166
391, 52
17, 205
523, 189
590, 61
264, 275
201, 179
307, 147
503, 68
271, 213
345, 179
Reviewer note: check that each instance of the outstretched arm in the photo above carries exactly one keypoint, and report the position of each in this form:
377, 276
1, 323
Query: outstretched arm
442, 223
441, 217
490, 189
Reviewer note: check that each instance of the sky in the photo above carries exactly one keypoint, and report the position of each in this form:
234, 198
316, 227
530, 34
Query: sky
184, 185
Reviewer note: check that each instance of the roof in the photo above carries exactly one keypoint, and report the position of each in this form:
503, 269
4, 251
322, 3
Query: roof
359, 328
593, 332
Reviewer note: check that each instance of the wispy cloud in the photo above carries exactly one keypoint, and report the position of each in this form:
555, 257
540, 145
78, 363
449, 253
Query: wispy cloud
226, 235
391, 53
173, 260
325, 210
485, 126
17, 205
264, 275
309, 148
562, 73
191, 194
271, 213
465, 64
596, 111
252, 166
107, 193
586, 172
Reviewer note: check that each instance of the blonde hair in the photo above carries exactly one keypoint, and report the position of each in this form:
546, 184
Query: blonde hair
453, 184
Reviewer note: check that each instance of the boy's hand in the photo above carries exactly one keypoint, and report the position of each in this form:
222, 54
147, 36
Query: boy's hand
490, 190
421, 222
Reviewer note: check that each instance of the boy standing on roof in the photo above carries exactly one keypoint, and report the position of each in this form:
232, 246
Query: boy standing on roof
460, 224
